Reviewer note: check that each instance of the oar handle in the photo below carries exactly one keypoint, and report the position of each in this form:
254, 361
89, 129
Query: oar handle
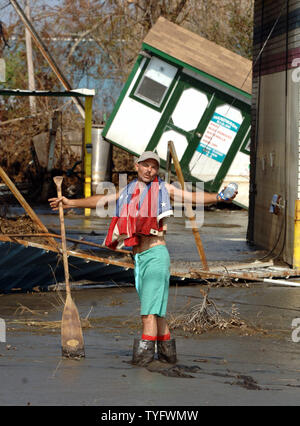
58, 182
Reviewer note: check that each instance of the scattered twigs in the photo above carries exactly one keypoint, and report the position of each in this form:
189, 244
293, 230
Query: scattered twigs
21, 310
40, 324
207, 316
44, 325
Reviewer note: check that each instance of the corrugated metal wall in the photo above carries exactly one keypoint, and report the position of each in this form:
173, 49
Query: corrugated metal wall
275, 124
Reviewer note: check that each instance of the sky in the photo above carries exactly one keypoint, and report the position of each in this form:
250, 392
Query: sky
103, 88
6, 9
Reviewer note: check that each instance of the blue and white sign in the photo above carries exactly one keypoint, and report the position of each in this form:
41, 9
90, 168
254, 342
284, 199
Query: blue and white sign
218, 137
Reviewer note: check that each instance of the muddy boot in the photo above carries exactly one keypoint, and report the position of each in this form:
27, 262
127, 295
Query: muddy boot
143, 352
166, 351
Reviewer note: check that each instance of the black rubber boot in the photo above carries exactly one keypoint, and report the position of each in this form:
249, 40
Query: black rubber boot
166, 351
143, 352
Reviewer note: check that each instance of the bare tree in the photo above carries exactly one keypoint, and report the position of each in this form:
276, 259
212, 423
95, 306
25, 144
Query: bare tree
99, 39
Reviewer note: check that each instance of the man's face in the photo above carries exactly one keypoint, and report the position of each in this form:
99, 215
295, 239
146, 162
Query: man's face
147, 170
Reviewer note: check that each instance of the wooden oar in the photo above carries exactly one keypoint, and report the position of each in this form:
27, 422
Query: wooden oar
194, 225
71, 332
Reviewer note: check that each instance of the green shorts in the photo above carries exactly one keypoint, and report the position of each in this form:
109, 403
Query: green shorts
152, 279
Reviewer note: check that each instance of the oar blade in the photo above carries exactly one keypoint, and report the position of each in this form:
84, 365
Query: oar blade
71, 332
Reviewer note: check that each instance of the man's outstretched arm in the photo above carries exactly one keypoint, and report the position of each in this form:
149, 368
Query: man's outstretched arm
177, 194
86, 203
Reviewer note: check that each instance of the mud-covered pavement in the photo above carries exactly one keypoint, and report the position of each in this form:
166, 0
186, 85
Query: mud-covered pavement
257, 365
215, 368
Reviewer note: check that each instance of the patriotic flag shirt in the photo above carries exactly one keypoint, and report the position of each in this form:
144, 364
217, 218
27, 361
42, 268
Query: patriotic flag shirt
139, 211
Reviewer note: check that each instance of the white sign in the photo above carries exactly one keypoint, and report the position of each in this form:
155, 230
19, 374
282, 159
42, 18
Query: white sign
218, 137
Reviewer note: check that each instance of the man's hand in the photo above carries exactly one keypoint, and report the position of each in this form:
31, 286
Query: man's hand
229, 199
54, 203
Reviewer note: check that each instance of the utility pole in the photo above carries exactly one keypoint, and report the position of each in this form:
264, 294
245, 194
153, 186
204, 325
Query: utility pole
31, 82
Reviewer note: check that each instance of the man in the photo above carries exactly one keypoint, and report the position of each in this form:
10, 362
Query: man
138, 223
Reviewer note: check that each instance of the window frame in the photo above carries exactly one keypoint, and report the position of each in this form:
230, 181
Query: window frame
244, 146
160, 108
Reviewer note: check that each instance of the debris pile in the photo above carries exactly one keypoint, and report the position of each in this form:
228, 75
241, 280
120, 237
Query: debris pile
207, 316
24, 148
123, 162
20, 160
19, 228
18, 225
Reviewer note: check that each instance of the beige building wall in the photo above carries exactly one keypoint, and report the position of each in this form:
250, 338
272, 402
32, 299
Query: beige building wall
277, 163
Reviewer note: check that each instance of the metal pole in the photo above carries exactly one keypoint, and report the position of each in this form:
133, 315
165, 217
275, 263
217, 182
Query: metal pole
296, 259
31, 82
88, 150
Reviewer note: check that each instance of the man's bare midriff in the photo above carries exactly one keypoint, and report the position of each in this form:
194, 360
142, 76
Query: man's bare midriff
148, 241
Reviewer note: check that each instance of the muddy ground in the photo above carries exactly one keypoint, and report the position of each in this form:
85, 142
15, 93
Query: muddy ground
255, 363
219, 367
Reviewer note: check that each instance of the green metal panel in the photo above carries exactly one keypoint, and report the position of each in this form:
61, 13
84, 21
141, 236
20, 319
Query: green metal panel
246, 144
